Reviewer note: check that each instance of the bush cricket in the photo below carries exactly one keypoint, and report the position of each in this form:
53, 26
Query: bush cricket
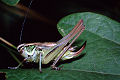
43, 53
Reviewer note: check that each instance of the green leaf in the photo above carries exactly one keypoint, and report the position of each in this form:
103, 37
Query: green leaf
70, 74
103, 44
10, 2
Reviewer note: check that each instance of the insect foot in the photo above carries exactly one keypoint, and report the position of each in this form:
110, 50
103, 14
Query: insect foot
12, 67
56, 68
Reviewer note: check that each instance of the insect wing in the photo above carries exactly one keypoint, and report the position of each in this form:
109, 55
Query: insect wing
55, 50
50, 54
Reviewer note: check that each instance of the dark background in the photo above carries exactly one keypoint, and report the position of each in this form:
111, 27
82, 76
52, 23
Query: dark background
44, 29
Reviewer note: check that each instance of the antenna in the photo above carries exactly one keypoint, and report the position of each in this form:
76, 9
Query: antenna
22, 26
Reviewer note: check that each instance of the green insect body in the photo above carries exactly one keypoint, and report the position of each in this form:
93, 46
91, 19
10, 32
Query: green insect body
43, 53
32, 52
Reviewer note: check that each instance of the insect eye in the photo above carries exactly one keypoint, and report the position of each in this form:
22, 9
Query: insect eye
28, 55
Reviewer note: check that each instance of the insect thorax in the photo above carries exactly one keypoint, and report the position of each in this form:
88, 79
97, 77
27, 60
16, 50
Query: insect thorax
30, 52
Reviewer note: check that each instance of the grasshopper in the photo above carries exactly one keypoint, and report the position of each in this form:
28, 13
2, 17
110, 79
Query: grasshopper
43, 53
